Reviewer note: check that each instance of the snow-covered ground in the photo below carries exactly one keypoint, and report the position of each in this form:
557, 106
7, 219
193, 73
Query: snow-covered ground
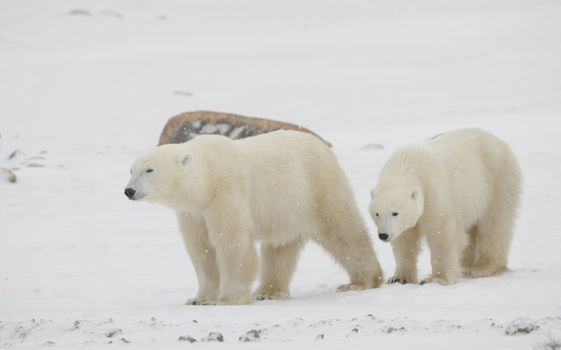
85, 86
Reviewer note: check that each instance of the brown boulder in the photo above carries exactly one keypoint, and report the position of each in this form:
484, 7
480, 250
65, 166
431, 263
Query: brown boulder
188, 125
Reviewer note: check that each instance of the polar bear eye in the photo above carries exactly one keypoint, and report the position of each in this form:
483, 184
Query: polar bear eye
377, 214
395, 214
149, 170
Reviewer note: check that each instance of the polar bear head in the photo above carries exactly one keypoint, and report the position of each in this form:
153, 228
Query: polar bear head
167, 175
395, 209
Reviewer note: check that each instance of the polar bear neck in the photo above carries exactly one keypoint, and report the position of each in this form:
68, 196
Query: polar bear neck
403, 166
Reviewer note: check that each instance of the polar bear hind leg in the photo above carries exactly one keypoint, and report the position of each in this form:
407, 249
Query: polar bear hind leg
469, 254
277, 267
493, 236
348, 242
494, 231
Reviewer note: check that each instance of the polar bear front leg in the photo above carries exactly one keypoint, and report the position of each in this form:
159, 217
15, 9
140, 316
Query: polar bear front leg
445, 255
237, 260
203, 257
405, 250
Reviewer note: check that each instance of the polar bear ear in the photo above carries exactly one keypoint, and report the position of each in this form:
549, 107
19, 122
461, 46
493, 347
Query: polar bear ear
185, 160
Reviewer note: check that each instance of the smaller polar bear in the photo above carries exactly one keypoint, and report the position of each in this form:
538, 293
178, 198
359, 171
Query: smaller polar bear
281, 189
461, 191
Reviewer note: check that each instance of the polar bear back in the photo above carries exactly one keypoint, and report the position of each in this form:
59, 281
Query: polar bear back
460, 172
285, 178
291, 173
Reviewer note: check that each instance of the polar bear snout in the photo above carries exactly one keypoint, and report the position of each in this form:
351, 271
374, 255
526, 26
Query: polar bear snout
130, 192
384, 237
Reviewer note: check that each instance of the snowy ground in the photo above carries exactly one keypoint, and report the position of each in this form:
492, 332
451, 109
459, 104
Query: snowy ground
85, 86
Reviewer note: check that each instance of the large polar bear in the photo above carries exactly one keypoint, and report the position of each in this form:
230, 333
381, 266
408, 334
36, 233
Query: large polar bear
282, 189
461, 191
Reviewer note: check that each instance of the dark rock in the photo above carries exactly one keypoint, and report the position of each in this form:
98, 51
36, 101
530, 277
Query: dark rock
186, 126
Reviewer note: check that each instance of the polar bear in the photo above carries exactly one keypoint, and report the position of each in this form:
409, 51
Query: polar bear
461, 190
280, 189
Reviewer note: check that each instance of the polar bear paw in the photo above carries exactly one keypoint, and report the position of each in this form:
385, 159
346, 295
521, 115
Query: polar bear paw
351, 286
234, 299
198, 301
401, 280
440, 280
477, 272
271, 295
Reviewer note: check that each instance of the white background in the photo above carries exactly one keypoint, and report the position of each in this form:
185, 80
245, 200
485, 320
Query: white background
93, 82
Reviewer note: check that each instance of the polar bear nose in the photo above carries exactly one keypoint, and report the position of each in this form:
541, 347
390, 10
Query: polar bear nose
129, 192
383, 236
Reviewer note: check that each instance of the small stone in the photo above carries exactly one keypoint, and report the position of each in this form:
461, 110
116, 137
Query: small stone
213, 336
15, 154
250, 336
112, 13
124, 340
79, 12
521, 326
187, 338
390, 329
12, 177
183, 93
113, 332
35, 165
320, 337
372, 147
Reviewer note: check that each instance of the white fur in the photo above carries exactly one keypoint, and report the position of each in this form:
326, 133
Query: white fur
461, 191
282, 189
